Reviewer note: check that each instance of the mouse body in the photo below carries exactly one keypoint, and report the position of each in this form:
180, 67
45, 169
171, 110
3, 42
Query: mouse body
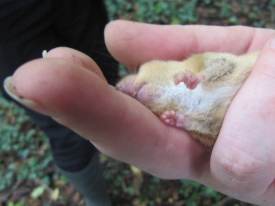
193, 94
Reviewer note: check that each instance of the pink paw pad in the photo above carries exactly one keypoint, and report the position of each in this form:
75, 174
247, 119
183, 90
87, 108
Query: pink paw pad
172, 118
188, 78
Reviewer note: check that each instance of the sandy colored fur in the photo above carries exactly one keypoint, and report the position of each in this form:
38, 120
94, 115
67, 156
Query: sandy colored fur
205, 106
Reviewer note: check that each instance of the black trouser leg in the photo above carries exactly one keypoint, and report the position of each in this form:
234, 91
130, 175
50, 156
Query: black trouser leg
30, 26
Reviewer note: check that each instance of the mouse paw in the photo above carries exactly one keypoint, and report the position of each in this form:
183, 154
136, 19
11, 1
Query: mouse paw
173, 118
188, 78
126, 85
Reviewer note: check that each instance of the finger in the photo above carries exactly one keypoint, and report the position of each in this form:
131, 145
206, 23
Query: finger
75, 57
243, 157
269, 195
134, 43
117, 124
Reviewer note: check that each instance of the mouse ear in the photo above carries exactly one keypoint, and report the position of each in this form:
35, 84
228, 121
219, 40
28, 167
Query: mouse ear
215, 69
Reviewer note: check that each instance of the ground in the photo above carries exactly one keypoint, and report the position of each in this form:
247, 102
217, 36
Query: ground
28, 175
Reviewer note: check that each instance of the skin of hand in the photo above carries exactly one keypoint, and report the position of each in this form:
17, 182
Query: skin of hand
68, 86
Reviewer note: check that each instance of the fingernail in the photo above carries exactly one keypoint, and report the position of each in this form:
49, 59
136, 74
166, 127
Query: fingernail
272, 43
11, 91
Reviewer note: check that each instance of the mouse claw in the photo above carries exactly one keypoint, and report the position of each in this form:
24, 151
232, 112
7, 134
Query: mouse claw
173, 118
188, 78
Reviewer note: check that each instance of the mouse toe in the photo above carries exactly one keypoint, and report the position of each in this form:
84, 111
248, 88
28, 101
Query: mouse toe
173, 118
188, 78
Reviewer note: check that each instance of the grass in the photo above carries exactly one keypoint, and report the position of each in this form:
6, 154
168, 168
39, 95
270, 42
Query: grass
28, 174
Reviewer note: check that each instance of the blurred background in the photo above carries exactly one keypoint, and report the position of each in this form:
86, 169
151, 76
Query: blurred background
28, 175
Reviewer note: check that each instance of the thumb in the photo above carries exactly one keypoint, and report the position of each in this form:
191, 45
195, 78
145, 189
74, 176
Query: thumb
243, 158
265, 66
263, 75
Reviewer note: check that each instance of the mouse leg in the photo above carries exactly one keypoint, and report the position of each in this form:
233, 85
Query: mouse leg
190, 79
173, 118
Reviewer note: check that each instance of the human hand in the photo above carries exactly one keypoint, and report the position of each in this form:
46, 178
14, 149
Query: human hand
69, 87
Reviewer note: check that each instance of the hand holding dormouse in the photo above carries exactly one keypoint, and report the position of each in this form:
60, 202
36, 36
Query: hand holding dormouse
68, 86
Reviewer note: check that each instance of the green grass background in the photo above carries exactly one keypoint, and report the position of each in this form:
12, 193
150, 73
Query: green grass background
28, 175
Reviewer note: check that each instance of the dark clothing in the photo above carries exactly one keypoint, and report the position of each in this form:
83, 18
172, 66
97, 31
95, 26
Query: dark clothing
27, 28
